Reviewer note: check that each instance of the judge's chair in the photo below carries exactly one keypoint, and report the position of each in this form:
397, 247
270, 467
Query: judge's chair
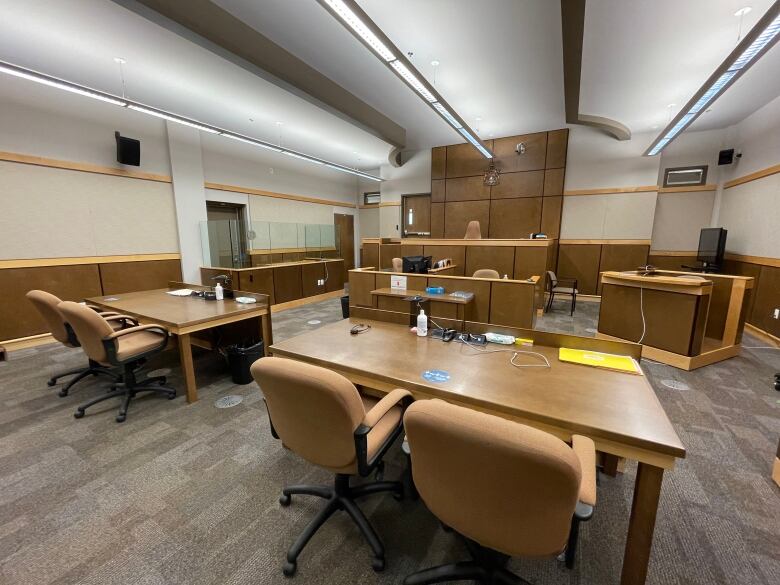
472, 231
320, 415
510, 490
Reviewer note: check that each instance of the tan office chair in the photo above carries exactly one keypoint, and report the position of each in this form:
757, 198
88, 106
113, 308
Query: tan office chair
553, 287
320, 415
486, 273
398, 265
126, 348
472, 231
46, 304
509, 489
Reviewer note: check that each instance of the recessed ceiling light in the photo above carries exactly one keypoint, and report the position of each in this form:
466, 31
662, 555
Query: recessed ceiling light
120, 60
655, 127
435, 63
671, 105
743, 11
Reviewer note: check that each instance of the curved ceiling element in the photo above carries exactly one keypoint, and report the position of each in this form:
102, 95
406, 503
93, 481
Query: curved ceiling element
221, 29
572, 27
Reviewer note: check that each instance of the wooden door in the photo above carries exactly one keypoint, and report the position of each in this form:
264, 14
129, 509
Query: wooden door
416, 211
345, 228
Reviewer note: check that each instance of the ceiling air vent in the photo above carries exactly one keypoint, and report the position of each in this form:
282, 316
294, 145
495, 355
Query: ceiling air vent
685, 176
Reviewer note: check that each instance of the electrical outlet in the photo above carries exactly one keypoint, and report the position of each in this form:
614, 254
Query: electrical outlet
776, 314
320, 282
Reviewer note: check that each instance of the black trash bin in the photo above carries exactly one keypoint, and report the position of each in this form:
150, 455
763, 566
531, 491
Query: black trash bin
345, 306
240, 358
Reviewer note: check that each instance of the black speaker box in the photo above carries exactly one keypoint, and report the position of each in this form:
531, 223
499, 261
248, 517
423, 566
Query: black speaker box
726, 157
128, 150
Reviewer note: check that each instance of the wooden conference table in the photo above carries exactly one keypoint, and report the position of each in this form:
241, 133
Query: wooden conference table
183, 316
619, 411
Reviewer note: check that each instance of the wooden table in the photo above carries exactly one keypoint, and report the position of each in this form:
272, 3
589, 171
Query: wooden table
184, 316
619, 411
403, 294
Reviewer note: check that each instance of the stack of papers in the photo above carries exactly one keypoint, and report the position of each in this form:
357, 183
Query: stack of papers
620, 363
182, 292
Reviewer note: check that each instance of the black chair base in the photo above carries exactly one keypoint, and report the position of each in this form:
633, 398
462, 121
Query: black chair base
340, 497
93, 369
128, 390
487, 567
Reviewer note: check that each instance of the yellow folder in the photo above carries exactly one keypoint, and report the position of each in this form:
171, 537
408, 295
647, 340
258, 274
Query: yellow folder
620, 363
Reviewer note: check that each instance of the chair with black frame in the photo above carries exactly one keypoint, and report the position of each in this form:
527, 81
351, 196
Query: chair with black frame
127, 348
46, 304
553, 287
320, 415
508, 489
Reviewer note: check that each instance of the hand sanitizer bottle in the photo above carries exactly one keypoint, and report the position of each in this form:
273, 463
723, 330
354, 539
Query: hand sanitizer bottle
219, 292
422, 324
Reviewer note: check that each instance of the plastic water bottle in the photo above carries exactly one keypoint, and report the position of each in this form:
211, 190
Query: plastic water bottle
218, 291
422, 324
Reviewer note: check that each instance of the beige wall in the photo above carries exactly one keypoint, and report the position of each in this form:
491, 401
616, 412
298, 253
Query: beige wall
618, 216
679, 217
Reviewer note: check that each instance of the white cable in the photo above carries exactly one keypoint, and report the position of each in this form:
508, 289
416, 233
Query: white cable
515, 353
642, 310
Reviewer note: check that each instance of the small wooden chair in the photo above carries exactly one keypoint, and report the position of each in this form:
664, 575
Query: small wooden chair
553, 288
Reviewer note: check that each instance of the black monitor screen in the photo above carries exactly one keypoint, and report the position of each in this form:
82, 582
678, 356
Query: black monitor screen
416, 264
712, 244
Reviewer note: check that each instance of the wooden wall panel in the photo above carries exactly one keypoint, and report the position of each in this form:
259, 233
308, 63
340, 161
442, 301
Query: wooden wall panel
287, 283
463, 160
438, 162
551, 216
508, 161
525, 184
437, 191
580, 261
360, 286
18, 317
767, 299
437, 220
335, 276
512, 218
370, 255
673, 262
479, 308
258, 281
530, 261
386, 254
557, 145
458, 214
409, 250
621, 257
512, 305
466, 189
744, 269
123, 277
501, 259
310, 274
553, 182
457, 253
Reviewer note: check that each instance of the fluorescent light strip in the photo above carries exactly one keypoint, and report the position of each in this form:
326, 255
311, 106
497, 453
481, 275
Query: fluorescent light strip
60, 84
755, 47
467, 135
412, 80
116, 100
171, 117
353, 21
447, 116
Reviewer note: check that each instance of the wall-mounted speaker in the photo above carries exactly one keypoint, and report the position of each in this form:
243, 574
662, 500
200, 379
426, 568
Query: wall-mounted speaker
726, 157
128, 150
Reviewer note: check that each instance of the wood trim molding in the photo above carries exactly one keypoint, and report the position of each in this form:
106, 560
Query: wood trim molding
71, 261
25, 342
520, 242
688, 189
763, 335
752, 176
672, 253
380, 204
83, 167
290, 250
623, 242
612, 190
307, 300
762, 260
288, 196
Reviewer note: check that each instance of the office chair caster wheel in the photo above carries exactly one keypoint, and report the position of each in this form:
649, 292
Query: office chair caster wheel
378, 564
285, 500
121, 418
51, 382
289, 569
78, 414
171, 396
62, 393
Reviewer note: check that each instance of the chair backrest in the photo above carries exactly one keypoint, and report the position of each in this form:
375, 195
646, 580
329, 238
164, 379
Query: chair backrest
314, 411
398, 265
90, 328
472, 231
486, 273
509, 487
552, 280
46, 304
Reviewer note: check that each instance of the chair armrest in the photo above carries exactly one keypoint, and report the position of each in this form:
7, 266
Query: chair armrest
117, 317
149, 327
585, 450
382, 407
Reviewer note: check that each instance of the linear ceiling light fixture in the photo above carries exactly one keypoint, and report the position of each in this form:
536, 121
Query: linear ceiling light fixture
37, 77
366, 30
756, 43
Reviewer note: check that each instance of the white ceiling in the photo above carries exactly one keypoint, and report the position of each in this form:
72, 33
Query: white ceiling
78, 39
500, 60
641, 56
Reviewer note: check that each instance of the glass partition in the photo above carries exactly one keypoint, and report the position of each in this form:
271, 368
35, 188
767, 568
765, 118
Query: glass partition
268, 242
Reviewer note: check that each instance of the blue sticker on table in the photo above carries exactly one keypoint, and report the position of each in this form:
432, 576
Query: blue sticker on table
436, 375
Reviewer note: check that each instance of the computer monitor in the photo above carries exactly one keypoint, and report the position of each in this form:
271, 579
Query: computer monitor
416, 264
712, 245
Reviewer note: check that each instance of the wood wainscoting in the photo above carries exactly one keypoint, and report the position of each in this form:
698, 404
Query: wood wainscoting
586, 259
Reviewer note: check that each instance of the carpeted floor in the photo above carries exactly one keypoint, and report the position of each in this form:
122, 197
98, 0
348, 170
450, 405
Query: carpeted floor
187, 494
